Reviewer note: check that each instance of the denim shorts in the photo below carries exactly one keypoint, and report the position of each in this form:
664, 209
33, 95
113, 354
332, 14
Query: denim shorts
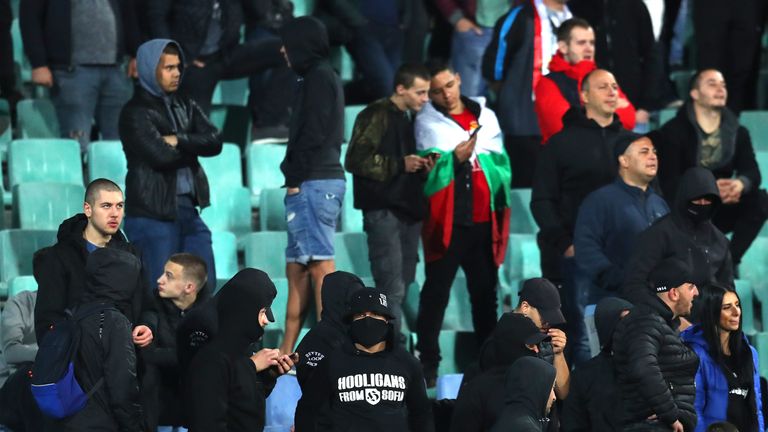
311, 216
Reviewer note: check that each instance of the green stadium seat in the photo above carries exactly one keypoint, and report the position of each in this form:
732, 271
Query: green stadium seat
303, 7
231, 92
351, 218
682, 81
54, 160
17, 247
761, 344
521, 262
272, 210
263, 168
746, 297
753, 269
666, 115
757, 124
224, 170
106, 159
225, 255
458, 314
342, 62
21, 283
265, 250
762, 163
521, 221
229, 211
19, 57
43, 206
352, 253
36, 118
350, 114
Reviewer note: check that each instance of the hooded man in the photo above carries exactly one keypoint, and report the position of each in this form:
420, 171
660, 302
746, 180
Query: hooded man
530, 395
105, 349
687, 233
314, 178
481, 401
226, 386
592, 402
370, 382
163, 133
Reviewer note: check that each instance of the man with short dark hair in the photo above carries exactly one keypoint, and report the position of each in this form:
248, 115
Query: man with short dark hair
163, 134
183, 277
388, 177
655, 369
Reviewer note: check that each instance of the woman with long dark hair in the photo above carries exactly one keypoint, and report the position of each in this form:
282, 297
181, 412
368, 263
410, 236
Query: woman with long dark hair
727, 382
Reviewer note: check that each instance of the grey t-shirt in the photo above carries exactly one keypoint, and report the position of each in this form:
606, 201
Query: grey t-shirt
94, 32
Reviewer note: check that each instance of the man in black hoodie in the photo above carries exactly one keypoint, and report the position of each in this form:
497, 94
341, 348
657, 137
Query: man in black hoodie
226, 387
313, 175
530, 395
106, 351
370, 382
576, 161
687, 233
163, 133
60, 270
592, 403
481, 401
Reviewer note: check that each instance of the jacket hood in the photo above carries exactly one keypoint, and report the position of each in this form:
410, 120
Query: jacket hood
337, 287
576, 71
607, 316
306, 43
237, 305
72, 229
577, 116
694, 335
147, 59
696, 182
112, 275
529, 383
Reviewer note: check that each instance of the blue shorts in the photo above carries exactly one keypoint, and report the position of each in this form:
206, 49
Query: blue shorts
311, 216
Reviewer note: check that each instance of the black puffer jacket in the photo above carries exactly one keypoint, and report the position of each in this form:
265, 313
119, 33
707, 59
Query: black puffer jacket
655, 369
60, 274
106, 347
150, 185
701, 245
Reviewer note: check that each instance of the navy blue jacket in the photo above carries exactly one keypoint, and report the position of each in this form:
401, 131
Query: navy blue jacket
712, 386
607, 226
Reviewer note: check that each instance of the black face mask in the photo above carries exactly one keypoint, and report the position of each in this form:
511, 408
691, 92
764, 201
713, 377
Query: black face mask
368, 331
699, 213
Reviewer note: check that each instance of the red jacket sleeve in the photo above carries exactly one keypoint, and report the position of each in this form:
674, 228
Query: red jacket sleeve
550, 107
626, 114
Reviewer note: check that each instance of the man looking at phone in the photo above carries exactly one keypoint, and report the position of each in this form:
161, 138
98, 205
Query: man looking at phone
388, 180
467, 224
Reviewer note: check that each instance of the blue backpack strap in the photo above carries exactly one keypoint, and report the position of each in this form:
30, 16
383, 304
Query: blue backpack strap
501, 52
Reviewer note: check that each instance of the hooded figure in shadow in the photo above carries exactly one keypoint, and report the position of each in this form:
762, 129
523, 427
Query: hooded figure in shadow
530, 395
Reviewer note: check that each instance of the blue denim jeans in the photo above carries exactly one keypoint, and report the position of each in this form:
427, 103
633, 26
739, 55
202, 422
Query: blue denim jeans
158, 240
467, 51
311, 217
83, 93
378, 51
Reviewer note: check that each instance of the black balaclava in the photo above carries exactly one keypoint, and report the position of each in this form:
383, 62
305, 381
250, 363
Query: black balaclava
238, 304
607, 316
696, 183
112, 276
369, 331
337, 287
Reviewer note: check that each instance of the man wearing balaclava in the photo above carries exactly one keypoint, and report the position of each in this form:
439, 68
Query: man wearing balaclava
226, 385
688, 234
530, 394
370, 382
163, 133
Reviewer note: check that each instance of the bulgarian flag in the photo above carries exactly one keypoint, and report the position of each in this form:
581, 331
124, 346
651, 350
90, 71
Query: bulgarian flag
437, 133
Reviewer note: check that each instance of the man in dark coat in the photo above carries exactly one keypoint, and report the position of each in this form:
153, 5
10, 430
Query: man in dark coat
530, 395
592, 404
655, 370
163, 133
106, 351
707, 133
687, 234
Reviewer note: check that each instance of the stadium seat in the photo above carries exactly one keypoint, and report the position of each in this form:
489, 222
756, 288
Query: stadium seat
746, 297
666, 115
342, 62
521, 221
281, 404
225, 256
457, 313
106, 159
36, 118
272, 210
224, 170
352, 254
351, 218
265, 250
762, 163
753, 269
263, 168
761, 344
448, 386
44, 160
757, 124
303, 7
231, 92
44, 205
17, 247
229, 211
521, 262
350, 114
19, 57
21, 283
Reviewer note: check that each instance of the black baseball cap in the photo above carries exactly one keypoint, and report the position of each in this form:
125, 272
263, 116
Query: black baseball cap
543, 295
623, 142
369, 300
670, 273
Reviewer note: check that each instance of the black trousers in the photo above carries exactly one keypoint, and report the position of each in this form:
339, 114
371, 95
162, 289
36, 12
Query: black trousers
523, 152
744, 219
470, 249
